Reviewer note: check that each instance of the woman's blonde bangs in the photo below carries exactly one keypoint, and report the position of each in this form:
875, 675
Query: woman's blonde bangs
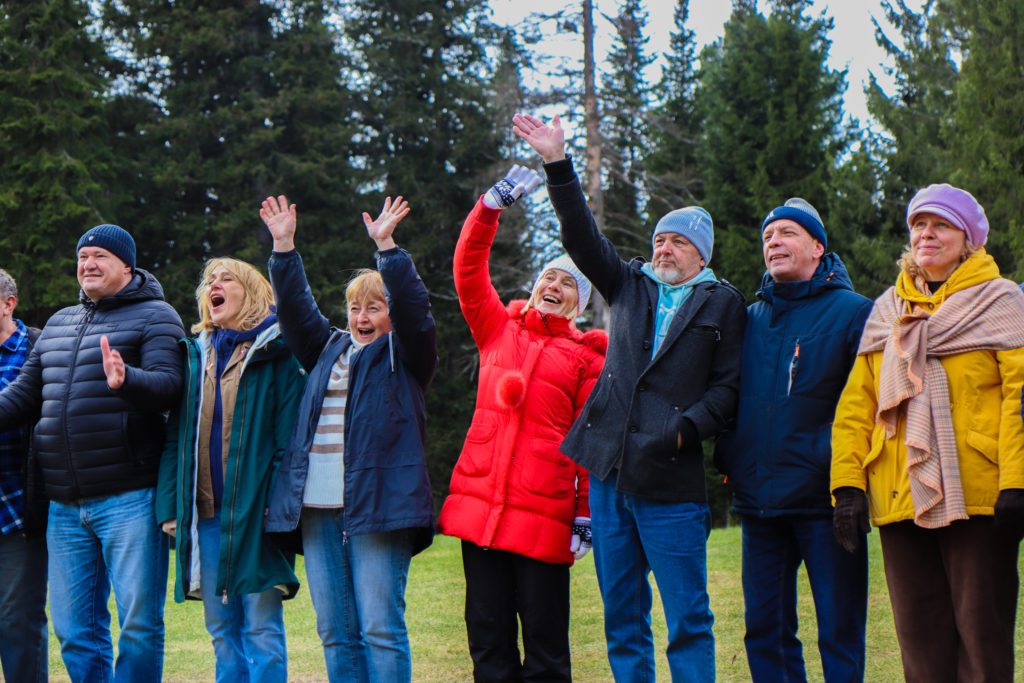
259, 295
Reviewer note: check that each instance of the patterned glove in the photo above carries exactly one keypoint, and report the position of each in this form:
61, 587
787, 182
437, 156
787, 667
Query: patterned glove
1010, 512
581, 537
850, 519
518, 181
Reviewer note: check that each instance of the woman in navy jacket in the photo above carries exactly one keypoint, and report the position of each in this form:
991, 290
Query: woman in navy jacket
354, 479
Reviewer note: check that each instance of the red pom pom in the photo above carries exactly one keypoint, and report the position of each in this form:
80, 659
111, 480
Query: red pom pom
511, 390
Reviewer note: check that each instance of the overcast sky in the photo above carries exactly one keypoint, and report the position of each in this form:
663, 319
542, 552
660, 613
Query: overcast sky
853, 41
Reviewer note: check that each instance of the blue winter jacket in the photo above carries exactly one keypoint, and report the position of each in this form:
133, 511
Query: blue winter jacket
800, 343
386, 484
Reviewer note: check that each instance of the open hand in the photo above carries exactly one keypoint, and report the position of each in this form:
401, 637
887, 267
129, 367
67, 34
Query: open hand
279, 217
547, 140
113, 364
391, 215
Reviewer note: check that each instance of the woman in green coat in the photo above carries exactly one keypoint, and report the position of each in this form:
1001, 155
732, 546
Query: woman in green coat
242, 388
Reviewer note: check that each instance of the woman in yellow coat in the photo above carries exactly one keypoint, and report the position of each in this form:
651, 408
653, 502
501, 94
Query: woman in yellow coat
929, 427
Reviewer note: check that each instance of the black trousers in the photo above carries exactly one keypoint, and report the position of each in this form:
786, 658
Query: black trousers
954, 599
502, 589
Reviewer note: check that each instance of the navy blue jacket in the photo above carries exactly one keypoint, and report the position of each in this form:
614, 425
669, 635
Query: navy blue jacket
386, 483
91, 441
777, 459
630, 425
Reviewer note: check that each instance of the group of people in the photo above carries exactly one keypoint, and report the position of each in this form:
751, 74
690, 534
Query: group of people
286, 435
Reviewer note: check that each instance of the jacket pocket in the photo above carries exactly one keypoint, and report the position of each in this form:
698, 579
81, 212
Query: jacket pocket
877, 446
483, 427
599, 399
985, 445
548, 473
478, 453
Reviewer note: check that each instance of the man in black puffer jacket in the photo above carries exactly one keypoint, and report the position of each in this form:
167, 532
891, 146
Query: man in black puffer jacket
99, 377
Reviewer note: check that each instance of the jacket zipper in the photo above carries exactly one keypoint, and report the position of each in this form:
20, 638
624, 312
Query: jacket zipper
244, 389
183, 471
91, 311
234, 489
793, 366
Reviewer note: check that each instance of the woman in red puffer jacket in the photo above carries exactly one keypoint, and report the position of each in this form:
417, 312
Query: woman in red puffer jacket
519, 505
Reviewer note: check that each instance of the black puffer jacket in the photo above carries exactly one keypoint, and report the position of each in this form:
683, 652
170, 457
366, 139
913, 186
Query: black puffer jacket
91, 441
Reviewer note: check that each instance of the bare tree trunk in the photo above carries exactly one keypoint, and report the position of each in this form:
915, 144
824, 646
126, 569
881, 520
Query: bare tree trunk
591, 121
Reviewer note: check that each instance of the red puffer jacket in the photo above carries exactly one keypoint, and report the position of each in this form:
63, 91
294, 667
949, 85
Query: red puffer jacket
512, 489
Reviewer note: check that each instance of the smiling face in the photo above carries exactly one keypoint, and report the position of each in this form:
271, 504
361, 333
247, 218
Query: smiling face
790, 253
936, 244
100, 273
675, 259
225, 299
368, 319
556, 294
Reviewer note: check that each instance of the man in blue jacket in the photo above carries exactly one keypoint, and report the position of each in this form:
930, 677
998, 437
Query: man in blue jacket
800, 343
99, 378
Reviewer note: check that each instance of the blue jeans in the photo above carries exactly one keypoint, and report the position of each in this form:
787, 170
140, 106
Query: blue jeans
357, 584
773, 550
634, 536
23, 636
94, 544
248, 631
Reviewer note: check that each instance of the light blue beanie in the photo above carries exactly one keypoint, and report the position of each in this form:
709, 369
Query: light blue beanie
693, 223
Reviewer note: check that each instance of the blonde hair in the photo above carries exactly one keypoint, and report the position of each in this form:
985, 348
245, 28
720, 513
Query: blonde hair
366, 284
909, 266
259, 296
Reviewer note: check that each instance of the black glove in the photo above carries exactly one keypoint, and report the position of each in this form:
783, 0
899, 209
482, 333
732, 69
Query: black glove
850, 519
1010, 512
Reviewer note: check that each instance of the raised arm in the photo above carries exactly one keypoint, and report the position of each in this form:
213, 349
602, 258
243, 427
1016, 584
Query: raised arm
409, 305
589, 249
479, 301
303, 326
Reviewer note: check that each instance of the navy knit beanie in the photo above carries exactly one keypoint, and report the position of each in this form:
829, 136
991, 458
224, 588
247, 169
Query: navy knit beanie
114, 239
801, 212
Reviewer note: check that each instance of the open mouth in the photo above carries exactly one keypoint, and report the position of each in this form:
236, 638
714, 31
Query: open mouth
365, 331
548, 299
216, 300
776, 257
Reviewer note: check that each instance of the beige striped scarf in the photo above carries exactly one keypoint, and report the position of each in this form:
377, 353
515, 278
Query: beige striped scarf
989, 316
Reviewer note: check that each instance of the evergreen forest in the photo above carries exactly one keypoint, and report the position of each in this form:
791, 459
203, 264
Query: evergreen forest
175, 118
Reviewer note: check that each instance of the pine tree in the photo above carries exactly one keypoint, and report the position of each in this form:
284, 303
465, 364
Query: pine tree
53, 142
673, 177
917, 118
625, 103
426, 129
248, 104
771, 112
988, 143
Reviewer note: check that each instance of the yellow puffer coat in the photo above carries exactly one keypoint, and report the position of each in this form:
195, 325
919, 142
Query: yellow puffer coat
985, 391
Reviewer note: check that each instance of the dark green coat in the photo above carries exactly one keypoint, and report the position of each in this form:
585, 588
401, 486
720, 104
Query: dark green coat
268, 396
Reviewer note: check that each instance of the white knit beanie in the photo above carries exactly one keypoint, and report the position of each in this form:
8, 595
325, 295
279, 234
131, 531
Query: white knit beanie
564, 263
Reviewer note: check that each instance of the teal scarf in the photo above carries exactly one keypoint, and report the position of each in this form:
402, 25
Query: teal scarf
670, 298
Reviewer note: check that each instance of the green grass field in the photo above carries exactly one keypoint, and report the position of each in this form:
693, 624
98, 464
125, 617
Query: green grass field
440, 654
